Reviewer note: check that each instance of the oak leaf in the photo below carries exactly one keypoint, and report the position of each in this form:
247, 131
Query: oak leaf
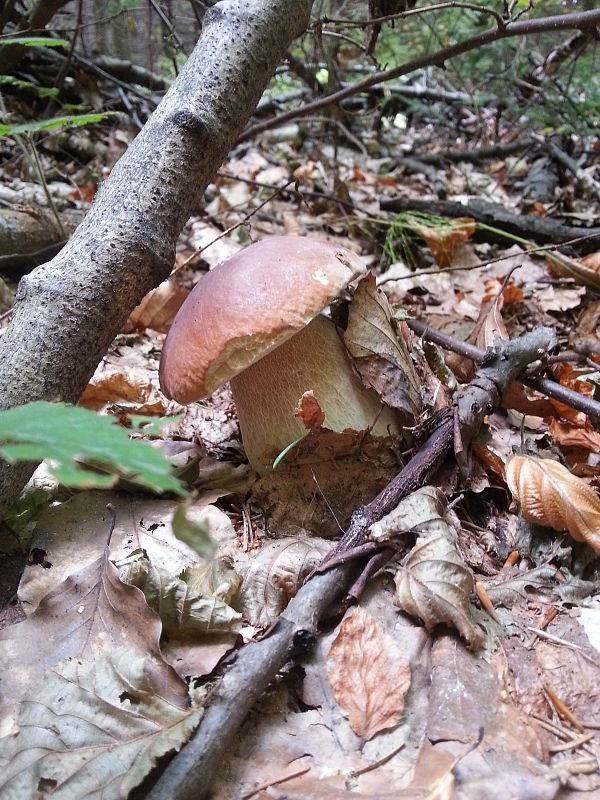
369, 682
550, 495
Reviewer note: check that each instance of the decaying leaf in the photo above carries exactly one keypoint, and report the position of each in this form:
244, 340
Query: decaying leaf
511, 585
129, 389
90, 613
275, 575
434, 583
550, 495
420, 512
158, 308
189, 603
309, 412
92, 730
443, 239
369, 681
492, 325
380, 356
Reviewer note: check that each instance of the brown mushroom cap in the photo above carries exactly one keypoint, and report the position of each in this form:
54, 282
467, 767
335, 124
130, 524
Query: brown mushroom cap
246, 307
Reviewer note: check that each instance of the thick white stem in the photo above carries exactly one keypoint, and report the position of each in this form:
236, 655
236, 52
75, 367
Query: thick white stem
267, 393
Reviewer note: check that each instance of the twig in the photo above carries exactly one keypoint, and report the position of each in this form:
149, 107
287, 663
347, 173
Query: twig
190, 773
544, 385
581, 20
584, 179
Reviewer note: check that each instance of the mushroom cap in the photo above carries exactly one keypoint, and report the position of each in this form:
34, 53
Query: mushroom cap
247, 306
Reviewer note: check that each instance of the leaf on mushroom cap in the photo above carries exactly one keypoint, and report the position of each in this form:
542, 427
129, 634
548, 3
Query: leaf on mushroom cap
246, 307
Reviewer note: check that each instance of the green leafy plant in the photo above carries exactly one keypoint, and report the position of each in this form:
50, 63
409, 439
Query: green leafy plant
73, 439
71, 121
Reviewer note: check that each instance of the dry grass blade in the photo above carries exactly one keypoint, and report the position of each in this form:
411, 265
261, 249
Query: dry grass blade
550, 495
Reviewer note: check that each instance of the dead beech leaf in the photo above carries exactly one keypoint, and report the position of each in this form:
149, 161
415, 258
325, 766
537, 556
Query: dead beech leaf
550, 495
274, 576
92, 730
433, 583
309, 412
566, 434
444, 240
585, 271
130, 389
90, 613
158, 308
492, 325
368, 682
187, 606
379, 355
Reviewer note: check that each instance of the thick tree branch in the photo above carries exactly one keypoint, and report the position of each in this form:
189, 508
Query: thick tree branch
69, 310
190, 774
585, 20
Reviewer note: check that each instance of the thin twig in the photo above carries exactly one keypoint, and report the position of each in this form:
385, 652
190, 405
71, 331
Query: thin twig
581, 20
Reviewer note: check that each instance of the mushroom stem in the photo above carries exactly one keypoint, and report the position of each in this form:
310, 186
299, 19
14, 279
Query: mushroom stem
267, 392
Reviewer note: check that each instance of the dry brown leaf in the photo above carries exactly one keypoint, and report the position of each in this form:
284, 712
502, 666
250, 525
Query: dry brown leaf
90, 613
274, 576
585, 271
309, 412
491, 325
158, 308
379, 355
566, 434
550, 495
434, 583
368, 682
130, 388
445, 240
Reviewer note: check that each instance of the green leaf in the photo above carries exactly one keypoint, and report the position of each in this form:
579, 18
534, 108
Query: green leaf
40, 91
73, 121
68, 435
34, 41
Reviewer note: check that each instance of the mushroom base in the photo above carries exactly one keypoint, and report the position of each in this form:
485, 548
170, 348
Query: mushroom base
266, 394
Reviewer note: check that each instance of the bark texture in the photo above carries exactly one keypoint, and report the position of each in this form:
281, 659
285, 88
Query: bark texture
68, 311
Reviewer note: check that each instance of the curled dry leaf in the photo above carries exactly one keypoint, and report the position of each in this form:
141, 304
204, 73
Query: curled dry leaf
379, 355
309, 412
275, 575
434, 583
445, 238
369, 680
189, 603
92, 730
550, 495
90, 613
158, 308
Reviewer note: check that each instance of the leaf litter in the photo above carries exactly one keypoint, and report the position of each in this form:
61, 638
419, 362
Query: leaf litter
536, 658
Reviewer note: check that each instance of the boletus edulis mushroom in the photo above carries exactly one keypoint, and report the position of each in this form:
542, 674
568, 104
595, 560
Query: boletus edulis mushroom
256, 321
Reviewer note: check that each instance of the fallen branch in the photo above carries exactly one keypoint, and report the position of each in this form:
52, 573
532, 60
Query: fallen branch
581, 175
546, 386
190, 773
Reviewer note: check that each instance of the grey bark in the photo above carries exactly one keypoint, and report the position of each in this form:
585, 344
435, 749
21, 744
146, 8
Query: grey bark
68, 311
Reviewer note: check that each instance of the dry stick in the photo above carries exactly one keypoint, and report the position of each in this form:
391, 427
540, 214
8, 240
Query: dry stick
583, 20
190, 773
544, 385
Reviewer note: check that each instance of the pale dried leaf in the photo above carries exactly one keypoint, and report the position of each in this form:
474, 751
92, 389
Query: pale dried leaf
421, 511
128, 387
379, 355
158, 308
493, 326
275, 575
550, 495
368, 681
511, 585
90, 613
92, 730
185, 604
434, 583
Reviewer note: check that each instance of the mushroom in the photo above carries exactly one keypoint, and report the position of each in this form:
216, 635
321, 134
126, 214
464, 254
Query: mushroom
255, 320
